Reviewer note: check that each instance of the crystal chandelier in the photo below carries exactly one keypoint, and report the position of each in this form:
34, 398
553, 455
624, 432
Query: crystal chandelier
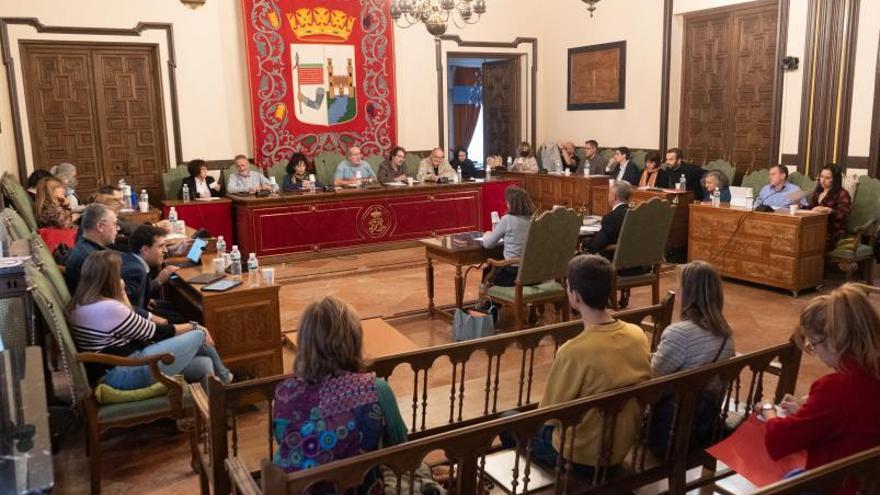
591, 6
435, 14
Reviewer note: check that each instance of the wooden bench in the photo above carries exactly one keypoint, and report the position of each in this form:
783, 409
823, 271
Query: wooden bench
216, 409
862, 468
466, 447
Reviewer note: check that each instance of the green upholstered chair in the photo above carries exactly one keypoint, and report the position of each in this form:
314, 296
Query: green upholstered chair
605, 155
857, 250
279, 170
802, 181
172, 179
638, 157
20, 200
552, 242
581, 153
15, 225
411, 164
642, 243
725, 168
174, 404
756, 179
325, 165
374, 161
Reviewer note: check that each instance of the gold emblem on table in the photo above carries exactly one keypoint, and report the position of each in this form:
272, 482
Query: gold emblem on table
377, 221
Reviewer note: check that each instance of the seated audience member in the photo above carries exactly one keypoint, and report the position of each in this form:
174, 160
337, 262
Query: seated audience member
526, 161
98, 226
391, 170
702, 337
618, 200
624, 169
51, 206
111, 190
30, 186
297, 178
830, 197
608, 354
653, 175
199, 183
592, 162
570, 161
102, 321
839, 416
468, 168
147, 252
676, 168
716, 180
435, 168
780, 193
347, 171
332, 402
66, 173
245, 180
513, 229
124, 227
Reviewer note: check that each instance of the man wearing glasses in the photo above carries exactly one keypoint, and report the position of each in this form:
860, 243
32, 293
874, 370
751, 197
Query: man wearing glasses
99, 227
391, 170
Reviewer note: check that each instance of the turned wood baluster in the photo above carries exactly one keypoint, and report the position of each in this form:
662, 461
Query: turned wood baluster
424, 398
452, 393
522, 378
461, 390
497, 377
488, 385
415, 400
531, 374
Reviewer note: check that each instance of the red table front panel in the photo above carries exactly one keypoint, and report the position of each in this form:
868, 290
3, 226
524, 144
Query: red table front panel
216, 218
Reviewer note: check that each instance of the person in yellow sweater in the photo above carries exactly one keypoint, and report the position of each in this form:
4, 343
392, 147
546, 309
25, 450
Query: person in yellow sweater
609, 354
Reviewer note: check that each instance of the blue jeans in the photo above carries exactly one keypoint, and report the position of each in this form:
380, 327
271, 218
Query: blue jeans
192, 357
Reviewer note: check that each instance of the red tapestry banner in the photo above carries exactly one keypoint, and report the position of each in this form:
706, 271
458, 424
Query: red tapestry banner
321, 76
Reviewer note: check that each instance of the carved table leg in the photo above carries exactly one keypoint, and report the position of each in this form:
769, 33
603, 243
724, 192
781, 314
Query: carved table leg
429, 279
459, 287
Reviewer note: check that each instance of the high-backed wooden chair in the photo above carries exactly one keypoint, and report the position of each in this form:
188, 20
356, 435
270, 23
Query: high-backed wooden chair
14, 224
175, 403
279, 170
724, 167
642, 243
551, 244
411, 164
20, 200
172, 180
638, 157
325, 166
756, 179
802, 181
857, 250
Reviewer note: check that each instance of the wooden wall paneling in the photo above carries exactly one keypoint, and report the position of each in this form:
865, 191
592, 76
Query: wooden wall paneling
501, 107
874, 155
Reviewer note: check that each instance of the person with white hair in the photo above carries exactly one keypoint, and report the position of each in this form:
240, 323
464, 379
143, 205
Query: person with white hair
66, 173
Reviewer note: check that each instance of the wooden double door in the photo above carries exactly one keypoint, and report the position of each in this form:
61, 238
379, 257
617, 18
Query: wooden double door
98, 106
727, 85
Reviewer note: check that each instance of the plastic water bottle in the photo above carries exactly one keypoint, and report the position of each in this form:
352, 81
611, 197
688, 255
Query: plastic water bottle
750, 200
586, 169
357, 178
253, 268
488, 172
221, 245
273, 185
185, 192
716, 197
509, 162
557, 164
682, 183
144, 201
458, 176
312, 186
172, 215
236, 261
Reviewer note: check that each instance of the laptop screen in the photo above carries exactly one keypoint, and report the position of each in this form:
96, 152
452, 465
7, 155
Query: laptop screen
195, 252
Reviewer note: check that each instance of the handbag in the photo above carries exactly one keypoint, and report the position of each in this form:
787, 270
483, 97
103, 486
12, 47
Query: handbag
467, 325
421, 483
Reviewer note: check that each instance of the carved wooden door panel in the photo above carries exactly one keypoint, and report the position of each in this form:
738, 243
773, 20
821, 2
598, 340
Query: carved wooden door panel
727, 85
704, 113
61, 114
132, 128
98, 106
501, 107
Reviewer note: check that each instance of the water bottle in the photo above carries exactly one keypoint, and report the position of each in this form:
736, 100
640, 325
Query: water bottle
273, 186
221, 245
253, 267
509, 162
750, 200
557, 164
458, 176
172, 215
185, 192
488, 172
144, 201
682, 183
236, 261
586, 169
357, 178
312, 186
716, 197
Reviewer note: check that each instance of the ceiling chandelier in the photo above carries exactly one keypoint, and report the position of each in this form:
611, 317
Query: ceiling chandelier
436, 14
591, 6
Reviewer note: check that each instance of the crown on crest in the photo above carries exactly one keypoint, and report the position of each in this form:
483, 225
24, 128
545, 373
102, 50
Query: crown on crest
332, 25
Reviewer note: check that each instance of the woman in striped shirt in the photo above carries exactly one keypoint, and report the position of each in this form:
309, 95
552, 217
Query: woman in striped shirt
102, 321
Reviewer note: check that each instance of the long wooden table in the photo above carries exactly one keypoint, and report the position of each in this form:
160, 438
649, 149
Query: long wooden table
300, 222
245, 321
215, 215
776, 249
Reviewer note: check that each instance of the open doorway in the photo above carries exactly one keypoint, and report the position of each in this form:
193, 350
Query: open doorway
483, 95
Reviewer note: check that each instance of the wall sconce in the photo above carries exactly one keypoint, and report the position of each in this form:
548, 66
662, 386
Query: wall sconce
193, 4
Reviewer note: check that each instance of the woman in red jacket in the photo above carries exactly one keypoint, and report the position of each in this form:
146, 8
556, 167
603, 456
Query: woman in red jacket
840, 416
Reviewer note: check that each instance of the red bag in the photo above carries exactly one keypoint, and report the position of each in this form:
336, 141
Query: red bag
53, 237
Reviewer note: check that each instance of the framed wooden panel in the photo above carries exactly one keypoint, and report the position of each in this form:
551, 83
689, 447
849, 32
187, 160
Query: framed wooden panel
597, 76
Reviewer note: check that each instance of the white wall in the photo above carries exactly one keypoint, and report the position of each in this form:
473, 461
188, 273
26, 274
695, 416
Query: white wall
863, 81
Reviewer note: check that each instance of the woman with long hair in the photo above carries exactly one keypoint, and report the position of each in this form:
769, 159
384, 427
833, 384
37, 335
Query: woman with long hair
461, 161
513, 229
51, 205
839, 416
653, 175
702, 337
525, 161
830, 197
102, 321
199, 183
297, 178
332, 409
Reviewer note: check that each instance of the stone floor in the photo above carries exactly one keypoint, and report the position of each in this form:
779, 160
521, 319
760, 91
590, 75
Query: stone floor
155, 458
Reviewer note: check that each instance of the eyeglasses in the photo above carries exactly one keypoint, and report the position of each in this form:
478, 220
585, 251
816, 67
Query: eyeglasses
810, 345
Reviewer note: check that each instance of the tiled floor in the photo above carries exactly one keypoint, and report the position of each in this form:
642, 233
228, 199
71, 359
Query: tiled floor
155, 458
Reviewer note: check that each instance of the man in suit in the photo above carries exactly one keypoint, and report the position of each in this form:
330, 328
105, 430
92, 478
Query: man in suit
676, 168
147, 244
618, 199
625, 169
